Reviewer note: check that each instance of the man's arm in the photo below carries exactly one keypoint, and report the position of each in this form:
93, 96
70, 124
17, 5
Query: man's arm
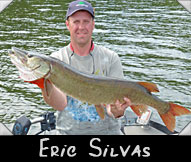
54, 97
117, 109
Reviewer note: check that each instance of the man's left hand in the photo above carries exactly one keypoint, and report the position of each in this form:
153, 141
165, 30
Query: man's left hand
117, 110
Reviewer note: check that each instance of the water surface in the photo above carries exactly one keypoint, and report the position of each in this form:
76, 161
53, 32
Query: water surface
151, 37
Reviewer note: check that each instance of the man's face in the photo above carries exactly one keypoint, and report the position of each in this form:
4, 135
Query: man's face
80, 25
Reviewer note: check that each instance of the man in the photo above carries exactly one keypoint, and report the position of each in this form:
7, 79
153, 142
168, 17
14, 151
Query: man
74, 116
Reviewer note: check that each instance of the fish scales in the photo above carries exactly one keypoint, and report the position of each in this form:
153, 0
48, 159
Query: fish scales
101, 90
95, 90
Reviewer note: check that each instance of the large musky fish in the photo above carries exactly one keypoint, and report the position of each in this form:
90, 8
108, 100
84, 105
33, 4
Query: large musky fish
92, 88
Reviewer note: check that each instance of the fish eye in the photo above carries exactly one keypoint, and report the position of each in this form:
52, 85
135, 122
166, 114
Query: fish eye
29, 55
10, 51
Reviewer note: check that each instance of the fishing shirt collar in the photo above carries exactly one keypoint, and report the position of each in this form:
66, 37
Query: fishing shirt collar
91, 49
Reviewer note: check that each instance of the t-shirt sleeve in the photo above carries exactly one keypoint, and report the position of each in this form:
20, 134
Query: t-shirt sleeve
61, 55
116, 69
56, 55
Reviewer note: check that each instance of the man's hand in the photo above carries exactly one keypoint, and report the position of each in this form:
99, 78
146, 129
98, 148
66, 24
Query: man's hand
117, 110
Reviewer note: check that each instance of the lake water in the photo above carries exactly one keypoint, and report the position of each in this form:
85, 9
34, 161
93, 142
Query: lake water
153, 39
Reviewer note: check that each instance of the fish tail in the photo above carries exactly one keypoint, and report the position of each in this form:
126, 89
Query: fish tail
169, 117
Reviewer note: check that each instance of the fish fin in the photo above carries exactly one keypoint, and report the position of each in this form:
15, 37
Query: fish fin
139, 109
39, 82
100, 111
178, 110
169, 117
151, 87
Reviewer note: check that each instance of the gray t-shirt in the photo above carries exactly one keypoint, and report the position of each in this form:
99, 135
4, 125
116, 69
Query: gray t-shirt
79, 117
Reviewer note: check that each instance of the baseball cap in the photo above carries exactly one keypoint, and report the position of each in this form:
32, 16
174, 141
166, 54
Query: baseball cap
79, 5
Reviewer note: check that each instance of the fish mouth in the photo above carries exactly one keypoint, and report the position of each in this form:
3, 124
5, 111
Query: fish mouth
18, 56
31, 67
19, 51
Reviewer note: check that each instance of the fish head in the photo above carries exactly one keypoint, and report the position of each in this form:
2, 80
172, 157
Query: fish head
31, 66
